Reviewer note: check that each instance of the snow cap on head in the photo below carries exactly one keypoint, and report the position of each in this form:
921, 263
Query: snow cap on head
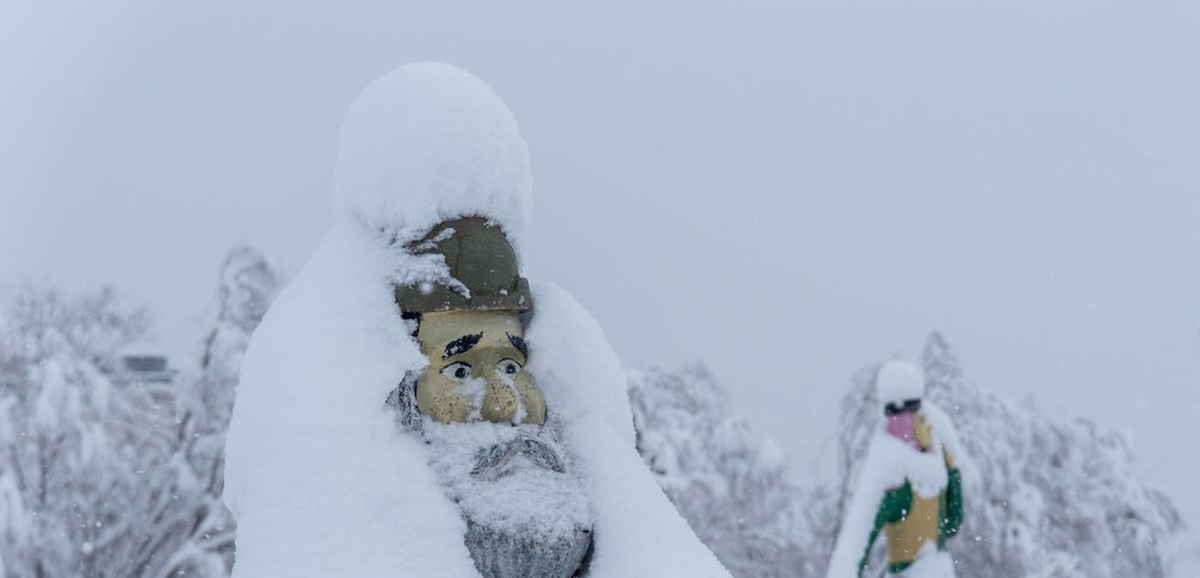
430, 142
899, 381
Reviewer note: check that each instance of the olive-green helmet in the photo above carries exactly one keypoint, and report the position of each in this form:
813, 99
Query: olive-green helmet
480, 257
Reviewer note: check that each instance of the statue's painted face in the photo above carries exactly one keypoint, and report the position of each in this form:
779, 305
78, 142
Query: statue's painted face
477, 369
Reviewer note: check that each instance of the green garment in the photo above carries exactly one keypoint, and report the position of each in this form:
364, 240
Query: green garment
952, 508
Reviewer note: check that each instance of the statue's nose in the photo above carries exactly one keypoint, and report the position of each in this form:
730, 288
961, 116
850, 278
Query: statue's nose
499, 401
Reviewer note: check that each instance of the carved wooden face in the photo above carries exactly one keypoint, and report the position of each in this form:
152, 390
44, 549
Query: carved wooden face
477, 369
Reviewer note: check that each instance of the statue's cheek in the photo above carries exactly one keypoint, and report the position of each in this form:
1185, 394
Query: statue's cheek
531, 398
442, 398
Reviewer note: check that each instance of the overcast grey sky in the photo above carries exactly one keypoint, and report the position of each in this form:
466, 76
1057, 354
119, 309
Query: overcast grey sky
788, 191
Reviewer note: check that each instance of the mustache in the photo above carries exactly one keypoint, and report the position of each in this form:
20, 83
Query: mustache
537, 443
496, 461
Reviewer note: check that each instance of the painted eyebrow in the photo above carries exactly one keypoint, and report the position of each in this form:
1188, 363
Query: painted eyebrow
519, 343
461, 345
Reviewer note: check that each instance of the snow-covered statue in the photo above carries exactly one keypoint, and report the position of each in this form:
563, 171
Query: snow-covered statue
483, 414
506, 446
909, 487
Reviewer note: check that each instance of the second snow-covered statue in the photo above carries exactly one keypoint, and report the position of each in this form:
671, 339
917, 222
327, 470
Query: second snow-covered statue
910, 488
508, 448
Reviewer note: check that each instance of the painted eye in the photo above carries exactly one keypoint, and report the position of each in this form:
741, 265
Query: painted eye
459, 371
508, 367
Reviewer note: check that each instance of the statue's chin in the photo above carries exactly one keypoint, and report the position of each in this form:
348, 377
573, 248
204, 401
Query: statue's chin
528, 518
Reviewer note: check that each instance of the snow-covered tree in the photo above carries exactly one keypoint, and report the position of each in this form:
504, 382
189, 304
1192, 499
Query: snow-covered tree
97, 477
87, 470
1044, 496
730, 486
248, 284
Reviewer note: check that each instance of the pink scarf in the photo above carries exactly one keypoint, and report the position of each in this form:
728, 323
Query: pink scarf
901, 426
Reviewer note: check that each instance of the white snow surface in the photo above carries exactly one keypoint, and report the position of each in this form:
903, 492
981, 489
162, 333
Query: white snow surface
637, 530
429, 142
898, 381
888, 464
322, 480
931, 565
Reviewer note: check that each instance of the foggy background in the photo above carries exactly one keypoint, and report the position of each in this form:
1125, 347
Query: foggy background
784, 191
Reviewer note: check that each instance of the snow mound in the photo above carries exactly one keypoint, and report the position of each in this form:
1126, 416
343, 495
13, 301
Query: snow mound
320, 479
430, 142
898, 381
638, 532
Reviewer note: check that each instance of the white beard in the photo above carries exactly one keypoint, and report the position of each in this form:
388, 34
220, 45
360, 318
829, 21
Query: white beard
526, 509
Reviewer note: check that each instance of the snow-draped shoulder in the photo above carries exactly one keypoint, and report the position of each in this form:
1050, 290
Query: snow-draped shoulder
946, 434
319, 478
637, 531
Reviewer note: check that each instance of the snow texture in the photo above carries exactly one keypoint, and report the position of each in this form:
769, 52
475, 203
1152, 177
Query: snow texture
429, 142
730, 485
96, 477
322, 480
527, 508
318, 476
930, 565
899, 381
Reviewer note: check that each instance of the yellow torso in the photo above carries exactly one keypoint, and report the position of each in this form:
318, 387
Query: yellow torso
906, 537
